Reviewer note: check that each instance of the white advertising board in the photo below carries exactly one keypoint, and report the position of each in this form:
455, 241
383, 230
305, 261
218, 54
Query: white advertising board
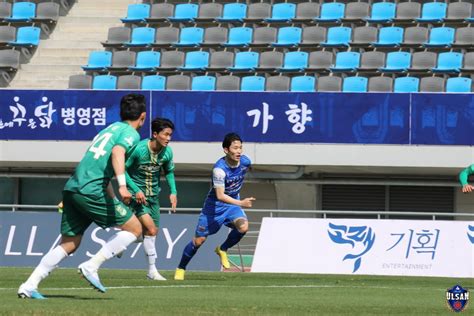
365, 246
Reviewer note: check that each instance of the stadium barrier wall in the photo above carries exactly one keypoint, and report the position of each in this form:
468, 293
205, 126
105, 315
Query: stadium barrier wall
368, 247
26, 236
276, 117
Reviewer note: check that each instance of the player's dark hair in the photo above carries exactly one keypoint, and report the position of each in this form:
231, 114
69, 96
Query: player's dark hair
229, 138
160, 123
132, 106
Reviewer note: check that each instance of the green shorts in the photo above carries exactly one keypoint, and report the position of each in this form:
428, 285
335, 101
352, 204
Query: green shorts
152, 208
79, 211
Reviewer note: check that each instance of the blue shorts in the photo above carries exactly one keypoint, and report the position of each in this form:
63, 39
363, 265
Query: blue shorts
209, 224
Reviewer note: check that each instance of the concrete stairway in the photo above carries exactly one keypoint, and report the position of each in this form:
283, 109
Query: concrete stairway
68, 47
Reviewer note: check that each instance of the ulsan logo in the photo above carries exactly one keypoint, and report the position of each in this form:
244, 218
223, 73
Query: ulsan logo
361, 238
457, 298
470, 233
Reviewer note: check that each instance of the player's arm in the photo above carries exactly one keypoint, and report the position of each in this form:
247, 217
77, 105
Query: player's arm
218, 176
135, 190
463, 179
169, 174
118, 163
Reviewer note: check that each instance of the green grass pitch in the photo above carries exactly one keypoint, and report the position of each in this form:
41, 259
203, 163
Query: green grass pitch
219, 293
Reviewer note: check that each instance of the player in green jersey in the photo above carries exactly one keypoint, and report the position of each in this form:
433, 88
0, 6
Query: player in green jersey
144, 165
86, 199
463, 178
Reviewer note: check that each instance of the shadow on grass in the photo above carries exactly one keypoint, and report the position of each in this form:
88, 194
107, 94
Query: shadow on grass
81, 298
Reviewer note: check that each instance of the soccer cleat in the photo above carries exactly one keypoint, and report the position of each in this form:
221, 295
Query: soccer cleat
155, 276
223, 255
179, 274
24, 292
91, 276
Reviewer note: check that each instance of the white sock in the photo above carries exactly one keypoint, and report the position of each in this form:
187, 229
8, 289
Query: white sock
150, 252
47, 264
116, 244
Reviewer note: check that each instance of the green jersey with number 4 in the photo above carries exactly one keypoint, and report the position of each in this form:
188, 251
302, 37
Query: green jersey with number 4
95, 170
144, 166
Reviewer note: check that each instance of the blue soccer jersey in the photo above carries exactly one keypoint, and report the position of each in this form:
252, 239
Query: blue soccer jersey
230, 178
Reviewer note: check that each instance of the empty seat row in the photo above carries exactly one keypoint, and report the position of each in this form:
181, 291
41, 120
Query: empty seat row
313, 36
274, 83
29, 12
21, 36
380, 12
297, 61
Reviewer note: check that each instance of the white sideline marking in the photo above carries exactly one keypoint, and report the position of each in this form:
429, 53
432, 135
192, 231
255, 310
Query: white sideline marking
126, 287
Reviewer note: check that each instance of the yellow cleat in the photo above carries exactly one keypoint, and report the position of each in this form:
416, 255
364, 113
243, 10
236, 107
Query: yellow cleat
179, 274
223, 256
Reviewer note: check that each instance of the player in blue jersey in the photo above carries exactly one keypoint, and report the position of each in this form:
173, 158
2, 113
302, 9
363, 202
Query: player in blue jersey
222, 205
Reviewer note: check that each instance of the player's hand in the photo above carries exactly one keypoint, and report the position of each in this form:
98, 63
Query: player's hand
174, 202
247, 202
140, 198
125, 194
467, 188
60, 207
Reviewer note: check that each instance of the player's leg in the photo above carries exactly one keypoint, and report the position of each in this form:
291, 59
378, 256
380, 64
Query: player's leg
108, 213
150, 222
73, 224
207, 225
237, 220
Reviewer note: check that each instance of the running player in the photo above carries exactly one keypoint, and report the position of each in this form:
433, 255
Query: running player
85, 199
222, 205
149, 157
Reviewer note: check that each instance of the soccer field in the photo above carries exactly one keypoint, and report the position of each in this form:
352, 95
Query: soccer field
229, 294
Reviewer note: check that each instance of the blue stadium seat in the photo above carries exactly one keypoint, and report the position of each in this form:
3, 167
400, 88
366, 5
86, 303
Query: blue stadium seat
355, 84
449, 62
303, 84
397, 62
153, 82
196, 61
22, 12
27, 36
137, 13
282, 12
406, 84
441, 37
382, 12
185, 12
239, 37
98, 61
295, 61
338, 36
190, 36
104, 82
346, 61
233, 12
245, 61
288, 37
331, 12
459, 85
252, 83
141, 37
203, 83
433, 12
390, 36
147, 61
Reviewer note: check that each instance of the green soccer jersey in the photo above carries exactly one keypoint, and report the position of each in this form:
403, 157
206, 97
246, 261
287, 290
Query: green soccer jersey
144, 166
464, 175
95, 170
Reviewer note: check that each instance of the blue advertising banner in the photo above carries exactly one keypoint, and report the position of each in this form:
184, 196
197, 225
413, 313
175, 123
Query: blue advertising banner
287, 117
59, 114
442, 119
26, 236
268, 117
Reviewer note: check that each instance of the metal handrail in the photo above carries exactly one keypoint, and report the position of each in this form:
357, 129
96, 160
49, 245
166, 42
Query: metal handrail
380, 214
